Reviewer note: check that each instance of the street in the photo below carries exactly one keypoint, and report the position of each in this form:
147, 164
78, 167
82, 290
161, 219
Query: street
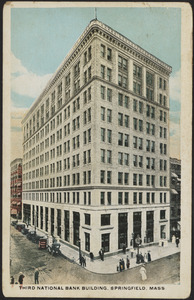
25, 257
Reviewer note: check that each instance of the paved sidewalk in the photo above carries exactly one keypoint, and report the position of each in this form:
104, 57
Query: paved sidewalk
109, 265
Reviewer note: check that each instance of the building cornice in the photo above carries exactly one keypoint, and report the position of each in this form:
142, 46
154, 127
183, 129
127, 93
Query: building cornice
97, 27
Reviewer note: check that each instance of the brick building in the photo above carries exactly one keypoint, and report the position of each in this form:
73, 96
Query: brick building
16, 188
175, 197
96, 146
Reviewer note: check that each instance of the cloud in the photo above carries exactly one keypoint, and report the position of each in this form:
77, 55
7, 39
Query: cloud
175, 86
24, 82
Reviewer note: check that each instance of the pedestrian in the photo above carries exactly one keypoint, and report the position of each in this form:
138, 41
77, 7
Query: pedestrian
123, 264
128, 262
145, 257
149, 255
177, 241
142, 271
36, 276
84, 261
91, 256
101, 253
118, 267
12, 281
21, 279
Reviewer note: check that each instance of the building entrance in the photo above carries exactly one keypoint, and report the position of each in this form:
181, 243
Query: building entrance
149, 226
122, 230
76, 225
136, 225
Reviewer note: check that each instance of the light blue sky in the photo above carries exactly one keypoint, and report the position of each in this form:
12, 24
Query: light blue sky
41, 38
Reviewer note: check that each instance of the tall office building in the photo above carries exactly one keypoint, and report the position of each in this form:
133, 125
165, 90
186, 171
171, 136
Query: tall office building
16, 188
96, 146
175, 197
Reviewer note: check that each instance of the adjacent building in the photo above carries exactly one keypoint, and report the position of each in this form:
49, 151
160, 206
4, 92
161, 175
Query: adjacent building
16, 188
175, 197
96, 146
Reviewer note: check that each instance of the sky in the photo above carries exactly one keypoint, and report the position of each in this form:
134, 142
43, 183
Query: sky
42, 37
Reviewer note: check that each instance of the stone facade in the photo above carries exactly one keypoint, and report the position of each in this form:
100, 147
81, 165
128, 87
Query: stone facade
16, 188
96, 146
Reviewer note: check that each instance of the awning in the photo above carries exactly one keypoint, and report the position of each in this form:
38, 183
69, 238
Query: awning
174, 175
174, 192
13, 202
13, 211
19, 184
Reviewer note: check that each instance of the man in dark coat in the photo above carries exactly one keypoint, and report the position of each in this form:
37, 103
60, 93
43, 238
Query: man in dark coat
21, 279
177, 241
101, 253
149, 256
36, 276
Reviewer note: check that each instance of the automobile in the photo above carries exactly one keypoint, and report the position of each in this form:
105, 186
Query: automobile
24, 231
54, 248
36, 238
14, 222
42, 244
19, 226
31, 234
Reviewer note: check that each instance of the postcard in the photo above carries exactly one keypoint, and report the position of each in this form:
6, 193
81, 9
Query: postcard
97, 130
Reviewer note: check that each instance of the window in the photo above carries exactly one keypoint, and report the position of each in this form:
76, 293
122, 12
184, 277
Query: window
126, 159
102, 50
102, 155
126, 198
148, 197
109, 136
120, 178
120, 99
87, 241
135, 198
137, 71
120, 198
109, 74
109, 177
126, 140
122, 63
102, 113
109, 54
109, 198
102, 92
103, 134
109, 115
87, 219
102, 198
135, 142
120, 139
126, 121
109, 95
134, 179
109, 156
120, 119
162, 214
102, 176
102, 71
105, 219
126, 102
126, 178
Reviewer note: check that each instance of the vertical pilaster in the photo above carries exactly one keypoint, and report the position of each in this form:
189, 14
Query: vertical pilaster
130, 75
62, 224
130, 227
155, 87
143, 225
49, 220
144, 82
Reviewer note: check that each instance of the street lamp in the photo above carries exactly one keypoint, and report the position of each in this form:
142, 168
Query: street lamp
80, 255
138, 242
